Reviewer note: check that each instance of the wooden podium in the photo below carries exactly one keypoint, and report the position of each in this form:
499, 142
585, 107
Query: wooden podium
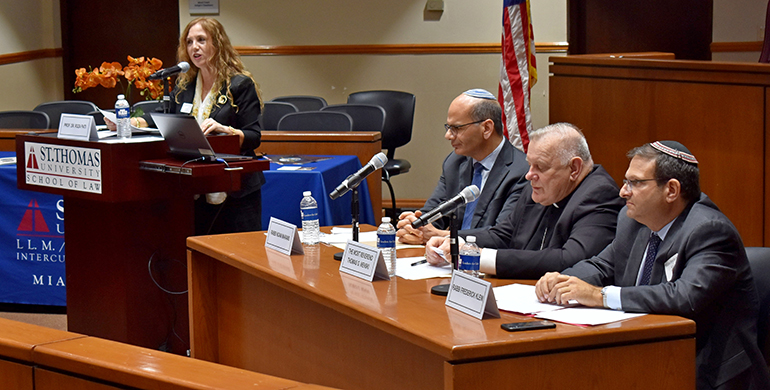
125, 240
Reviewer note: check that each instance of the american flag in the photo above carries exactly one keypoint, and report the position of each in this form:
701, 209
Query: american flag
518, 71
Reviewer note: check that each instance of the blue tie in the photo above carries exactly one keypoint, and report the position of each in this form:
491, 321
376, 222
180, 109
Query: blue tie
649, 259
478, 169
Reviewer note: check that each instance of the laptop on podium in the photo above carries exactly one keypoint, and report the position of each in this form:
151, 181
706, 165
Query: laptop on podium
186, 140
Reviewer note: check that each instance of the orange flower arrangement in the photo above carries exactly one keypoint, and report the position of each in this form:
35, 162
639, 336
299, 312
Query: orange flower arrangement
136, 73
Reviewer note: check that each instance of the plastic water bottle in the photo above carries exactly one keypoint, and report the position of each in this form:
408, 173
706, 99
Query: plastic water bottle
470, 256
122, 113
386, 242
310, 227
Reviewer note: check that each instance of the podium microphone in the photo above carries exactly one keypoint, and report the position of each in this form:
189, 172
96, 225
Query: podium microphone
181, 67
352, 181
467, 195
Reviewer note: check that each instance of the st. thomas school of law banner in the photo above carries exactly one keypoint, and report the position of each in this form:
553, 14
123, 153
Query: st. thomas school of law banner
31, 243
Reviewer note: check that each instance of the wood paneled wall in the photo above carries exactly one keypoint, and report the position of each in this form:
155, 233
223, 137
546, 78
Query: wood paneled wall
718, 110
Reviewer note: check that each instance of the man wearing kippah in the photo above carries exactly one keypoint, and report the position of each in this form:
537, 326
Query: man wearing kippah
675, 253
482, 156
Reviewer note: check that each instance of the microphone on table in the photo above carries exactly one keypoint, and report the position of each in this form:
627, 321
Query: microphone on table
467, 195
352, 181
181, 67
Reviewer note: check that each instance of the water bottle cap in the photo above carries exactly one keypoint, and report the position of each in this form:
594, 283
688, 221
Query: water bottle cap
470, 239
307, 193
121, 96
385, 219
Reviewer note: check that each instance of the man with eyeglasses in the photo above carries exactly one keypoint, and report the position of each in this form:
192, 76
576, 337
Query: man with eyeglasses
567, 213
482, 156
675, 253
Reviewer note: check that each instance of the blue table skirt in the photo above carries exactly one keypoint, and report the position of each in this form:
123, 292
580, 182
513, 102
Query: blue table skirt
31, 243
282, 192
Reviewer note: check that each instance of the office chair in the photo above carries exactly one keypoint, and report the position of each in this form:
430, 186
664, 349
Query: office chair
366, 117
55, 109
273, 112
759, 259
397, 131
23, 120
303, 103
98, 117
316, 121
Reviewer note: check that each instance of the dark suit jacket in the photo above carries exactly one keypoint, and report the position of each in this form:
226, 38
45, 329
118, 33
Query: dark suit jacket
501, 190
711, 283
245, 118
585, 226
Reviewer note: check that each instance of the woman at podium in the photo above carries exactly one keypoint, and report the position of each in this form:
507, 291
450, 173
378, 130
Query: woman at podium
224, 98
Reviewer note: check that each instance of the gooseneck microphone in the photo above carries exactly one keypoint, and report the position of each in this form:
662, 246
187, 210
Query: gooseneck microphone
181, 67
468, 194
352, 181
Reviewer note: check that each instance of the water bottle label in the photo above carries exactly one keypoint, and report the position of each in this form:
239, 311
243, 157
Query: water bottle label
469, 262
121, 113
386, 240
309, 214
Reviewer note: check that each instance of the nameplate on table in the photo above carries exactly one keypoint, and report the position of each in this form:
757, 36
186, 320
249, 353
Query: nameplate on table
77, 127
472, 296
363, 261
60, 166
283, 237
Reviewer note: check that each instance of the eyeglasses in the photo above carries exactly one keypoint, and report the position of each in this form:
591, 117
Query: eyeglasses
456, 129
631, 183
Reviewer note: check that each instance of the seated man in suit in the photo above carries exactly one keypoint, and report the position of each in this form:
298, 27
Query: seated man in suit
567, 213
675, 253
483, 156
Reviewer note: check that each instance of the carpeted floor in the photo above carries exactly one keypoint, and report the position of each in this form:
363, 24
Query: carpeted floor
49, 316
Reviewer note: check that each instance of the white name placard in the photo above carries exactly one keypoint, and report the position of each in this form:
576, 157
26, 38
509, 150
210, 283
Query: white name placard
282, 237
77, 127
472, 296
363, 261
59, 166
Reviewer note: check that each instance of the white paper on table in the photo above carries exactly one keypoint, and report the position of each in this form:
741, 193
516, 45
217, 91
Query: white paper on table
521, 298
405, 270
290, 168
587, 315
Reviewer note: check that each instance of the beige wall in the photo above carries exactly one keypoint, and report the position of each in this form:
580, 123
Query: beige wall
26, 26
738, 21
434, 79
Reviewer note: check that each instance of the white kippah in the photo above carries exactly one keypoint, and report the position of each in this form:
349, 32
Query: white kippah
480, 94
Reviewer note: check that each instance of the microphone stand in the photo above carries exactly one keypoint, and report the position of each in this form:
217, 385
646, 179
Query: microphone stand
454, 252
166, 95
355, 211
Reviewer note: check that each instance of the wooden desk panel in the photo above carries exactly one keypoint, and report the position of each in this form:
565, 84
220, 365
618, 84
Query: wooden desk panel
298, 317
718, 110
363, 144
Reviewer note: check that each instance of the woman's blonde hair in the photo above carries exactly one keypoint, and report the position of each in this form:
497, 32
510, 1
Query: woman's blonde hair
226, 61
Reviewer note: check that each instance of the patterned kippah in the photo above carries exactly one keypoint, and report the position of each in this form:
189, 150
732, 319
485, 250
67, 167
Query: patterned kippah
480, 93
675, 149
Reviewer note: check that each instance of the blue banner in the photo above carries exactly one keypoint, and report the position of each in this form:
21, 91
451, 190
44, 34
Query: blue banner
31, 243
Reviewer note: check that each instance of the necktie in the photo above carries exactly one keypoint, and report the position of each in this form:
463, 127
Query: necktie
649, 259
468, 216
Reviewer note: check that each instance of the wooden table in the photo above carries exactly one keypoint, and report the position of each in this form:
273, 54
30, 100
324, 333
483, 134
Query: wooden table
8, 137
363, 144
297, 317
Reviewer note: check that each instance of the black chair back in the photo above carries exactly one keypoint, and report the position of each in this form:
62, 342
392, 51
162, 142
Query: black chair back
316, 121
366, 117
23, 120
303, 103
759, 259
399, 110
98, 117
55, 109
273, 112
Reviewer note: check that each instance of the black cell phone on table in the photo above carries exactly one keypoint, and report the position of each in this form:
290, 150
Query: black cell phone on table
529, 325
